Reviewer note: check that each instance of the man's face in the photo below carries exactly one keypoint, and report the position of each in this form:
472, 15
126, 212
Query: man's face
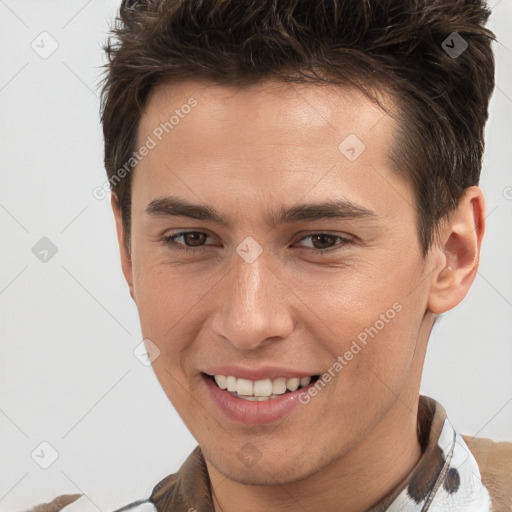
283, 287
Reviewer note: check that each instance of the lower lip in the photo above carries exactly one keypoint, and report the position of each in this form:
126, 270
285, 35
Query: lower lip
254, 413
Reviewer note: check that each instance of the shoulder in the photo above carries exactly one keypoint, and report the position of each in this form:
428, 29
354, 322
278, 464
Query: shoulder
57, 504
82, 503
494, 461
175, 492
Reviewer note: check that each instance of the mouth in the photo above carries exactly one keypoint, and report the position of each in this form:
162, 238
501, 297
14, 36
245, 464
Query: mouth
261, 390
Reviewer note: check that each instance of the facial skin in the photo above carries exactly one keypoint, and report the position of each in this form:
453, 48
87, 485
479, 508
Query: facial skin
249, 154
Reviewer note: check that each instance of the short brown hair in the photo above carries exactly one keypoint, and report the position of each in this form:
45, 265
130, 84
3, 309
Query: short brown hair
400, 45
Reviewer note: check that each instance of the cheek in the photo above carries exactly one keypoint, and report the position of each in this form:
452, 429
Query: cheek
370, 366
166, 303
347, 300
168, 306
367, 320
366, 341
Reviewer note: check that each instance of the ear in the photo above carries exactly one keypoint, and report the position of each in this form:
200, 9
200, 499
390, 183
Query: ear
458, 252
126, 260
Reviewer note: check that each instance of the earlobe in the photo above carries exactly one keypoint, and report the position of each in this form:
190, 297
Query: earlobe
458, 252
126, 261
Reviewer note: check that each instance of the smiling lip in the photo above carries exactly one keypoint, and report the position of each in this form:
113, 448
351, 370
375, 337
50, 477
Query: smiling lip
263, 372
254, 412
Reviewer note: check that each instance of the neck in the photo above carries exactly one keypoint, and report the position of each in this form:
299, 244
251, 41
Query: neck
359, 479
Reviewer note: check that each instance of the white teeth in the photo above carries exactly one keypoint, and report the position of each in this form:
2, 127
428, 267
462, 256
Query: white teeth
221, 381
305, 381
293, 384
244, 387
231, 383
260, 390
279, 386
263, 387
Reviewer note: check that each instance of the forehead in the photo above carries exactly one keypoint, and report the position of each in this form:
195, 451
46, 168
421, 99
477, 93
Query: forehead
295, 113
264, 141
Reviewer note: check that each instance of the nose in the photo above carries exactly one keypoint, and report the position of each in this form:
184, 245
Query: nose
252, 306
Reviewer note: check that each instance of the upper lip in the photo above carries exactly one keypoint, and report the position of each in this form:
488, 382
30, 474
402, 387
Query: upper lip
259, 373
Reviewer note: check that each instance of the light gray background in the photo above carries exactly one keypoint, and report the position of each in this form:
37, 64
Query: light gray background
68, 326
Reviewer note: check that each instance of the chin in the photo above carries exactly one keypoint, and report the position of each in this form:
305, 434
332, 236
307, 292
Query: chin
271, 469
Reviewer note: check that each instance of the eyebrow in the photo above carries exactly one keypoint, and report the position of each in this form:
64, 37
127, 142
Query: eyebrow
306, 212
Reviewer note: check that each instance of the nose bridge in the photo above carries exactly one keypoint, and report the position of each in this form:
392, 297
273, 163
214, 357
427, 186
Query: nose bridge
251, 309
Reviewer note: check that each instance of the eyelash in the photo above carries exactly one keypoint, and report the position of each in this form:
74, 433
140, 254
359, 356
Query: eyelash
170, 242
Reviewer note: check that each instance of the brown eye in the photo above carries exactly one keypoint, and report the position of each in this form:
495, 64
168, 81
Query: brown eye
324, 242
186, 240
194, 238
